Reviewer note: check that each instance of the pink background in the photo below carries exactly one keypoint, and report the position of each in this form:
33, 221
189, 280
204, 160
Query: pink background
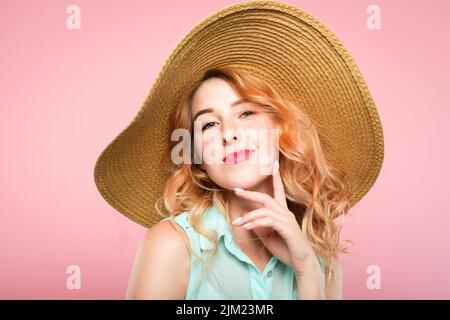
66, 93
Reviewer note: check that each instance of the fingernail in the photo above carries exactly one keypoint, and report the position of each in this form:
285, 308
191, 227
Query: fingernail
237, 220
238, 189
276, 166
248, 224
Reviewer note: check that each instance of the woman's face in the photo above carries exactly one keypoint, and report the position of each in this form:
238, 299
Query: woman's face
237, 141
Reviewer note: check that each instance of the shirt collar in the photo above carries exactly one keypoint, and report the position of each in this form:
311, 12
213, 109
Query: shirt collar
214, 219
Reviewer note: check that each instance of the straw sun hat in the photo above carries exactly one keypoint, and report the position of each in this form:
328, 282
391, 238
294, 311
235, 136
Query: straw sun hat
288, 47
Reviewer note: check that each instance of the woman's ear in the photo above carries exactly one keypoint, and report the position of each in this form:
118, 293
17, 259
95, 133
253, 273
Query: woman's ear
277, 136
278, 131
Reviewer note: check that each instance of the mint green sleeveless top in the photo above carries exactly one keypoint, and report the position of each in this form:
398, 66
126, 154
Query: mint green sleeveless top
231, 274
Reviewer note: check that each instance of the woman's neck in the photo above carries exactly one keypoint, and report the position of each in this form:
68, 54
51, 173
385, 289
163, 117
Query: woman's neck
239, 206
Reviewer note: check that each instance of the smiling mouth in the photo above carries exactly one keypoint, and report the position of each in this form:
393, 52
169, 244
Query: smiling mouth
237, 157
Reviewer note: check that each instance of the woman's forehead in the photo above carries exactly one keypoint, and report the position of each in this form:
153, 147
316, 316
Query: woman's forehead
213, 93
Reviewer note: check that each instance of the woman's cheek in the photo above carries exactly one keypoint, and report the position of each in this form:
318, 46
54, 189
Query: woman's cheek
211, 150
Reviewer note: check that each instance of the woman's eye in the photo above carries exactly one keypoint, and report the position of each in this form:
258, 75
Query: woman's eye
247, 113
207, 125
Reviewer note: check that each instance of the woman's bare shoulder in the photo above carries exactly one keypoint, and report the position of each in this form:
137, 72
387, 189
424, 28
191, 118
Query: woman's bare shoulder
166, 230
162, 264
334, 286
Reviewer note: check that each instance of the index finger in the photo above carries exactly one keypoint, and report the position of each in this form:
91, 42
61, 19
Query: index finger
278, 187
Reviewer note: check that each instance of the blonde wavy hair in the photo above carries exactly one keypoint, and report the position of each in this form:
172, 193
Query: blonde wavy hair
317, 191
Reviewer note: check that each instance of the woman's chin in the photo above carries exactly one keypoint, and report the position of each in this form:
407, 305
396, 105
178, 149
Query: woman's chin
245, 177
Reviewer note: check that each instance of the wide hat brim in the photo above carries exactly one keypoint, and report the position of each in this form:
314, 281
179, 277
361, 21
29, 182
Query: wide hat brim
285, 45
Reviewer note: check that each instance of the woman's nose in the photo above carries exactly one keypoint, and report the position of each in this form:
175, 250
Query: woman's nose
230, 136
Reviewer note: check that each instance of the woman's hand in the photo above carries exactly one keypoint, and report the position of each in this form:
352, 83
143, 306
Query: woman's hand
285, 240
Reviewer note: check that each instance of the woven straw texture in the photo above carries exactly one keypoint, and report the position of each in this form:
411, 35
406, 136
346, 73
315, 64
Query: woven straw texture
288, 47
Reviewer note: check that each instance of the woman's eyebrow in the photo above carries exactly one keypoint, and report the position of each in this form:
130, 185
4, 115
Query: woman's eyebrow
209, 110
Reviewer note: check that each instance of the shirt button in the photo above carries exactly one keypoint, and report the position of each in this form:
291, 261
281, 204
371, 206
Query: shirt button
269, 274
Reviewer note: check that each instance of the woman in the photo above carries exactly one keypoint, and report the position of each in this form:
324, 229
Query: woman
278, 238
264, 207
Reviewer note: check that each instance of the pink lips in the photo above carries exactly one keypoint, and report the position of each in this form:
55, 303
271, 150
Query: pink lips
236, 157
